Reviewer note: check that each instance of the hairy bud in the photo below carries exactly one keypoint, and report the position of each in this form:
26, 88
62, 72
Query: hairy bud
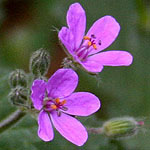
18, 78
39, 62
18, 96
121, 127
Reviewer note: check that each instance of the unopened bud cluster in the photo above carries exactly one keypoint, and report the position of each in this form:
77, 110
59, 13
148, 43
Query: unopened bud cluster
20, 90
121, 127
39, 63
18, 77
19, 96
18, 83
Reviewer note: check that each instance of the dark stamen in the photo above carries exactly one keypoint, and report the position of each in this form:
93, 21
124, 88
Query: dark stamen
99, 42
93, 36
64, 108
58, 113
93, 42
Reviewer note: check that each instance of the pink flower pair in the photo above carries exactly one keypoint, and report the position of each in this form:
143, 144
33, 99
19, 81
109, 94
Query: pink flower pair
56, 99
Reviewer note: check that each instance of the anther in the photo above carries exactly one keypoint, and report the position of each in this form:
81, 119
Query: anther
93, 36
89, 43
57, 100
53, 106
99, 42
63, 102
94, 46
86, 38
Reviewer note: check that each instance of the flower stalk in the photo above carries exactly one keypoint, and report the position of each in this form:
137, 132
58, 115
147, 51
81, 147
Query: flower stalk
11, 120
95, 130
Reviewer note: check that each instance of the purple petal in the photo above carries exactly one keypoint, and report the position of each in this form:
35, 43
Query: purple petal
70, 128
45, 130
92, 65
106, 29
38, 90
76, 21
67, 38
82, 104
72, 36
62, 83
112, 58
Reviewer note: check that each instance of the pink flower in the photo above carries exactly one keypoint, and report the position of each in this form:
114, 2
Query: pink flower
84, 49
56, 102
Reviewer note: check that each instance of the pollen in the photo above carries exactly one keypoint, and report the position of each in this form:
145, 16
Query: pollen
57, 100
86, 38
53, 106
89, 43
94, 46
63, 102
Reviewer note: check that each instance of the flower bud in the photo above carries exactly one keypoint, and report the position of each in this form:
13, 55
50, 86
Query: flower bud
18, 96
18, 78
121, 127
39, 63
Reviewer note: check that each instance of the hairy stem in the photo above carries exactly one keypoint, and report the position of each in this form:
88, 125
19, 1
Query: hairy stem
11, 120
95, 130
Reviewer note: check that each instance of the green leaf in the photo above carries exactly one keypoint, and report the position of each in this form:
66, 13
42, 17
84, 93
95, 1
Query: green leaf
5, 107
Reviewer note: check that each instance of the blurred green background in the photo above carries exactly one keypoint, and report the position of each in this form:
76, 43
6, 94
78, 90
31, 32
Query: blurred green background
27, 25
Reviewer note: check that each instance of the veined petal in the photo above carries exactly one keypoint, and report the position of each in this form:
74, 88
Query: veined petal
62, 83
92, 66
45, 130
67, 39
38, 90
113, 58
106, 30
82, 104
76, 20
70, 128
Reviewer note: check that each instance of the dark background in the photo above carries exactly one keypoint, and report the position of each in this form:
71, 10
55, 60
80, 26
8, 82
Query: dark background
27, 25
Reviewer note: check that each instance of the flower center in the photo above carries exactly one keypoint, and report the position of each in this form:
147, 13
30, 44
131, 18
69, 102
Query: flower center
91, 41
50, 105
83, 51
